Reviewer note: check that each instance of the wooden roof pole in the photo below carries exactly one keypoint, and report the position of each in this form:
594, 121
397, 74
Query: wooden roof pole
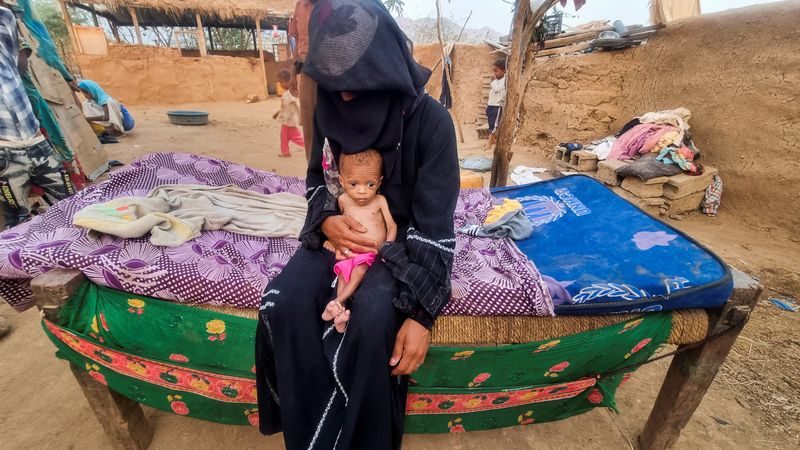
447, 74
525, 20
260, 47
201, 37
136, 27
68, 21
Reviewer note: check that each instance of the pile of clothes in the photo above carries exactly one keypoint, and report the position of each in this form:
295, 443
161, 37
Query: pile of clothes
664, 135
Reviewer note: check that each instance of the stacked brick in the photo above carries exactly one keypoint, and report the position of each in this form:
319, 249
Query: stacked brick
667, 196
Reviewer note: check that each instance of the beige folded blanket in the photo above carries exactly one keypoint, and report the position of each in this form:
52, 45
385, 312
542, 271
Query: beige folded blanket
176, 213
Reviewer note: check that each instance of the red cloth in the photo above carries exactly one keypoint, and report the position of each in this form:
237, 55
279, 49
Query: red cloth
292, 134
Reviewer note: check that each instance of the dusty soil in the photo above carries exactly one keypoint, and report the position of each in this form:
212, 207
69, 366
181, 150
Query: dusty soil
756, 394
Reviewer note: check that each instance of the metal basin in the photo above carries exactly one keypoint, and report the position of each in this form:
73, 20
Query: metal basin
188, 117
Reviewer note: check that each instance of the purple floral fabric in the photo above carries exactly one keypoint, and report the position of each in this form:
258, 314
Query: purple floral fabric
491, 277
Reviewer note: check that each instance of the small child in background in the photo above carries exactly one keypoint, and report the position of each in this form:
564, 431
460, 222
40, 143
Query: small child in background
497, 98
289, 115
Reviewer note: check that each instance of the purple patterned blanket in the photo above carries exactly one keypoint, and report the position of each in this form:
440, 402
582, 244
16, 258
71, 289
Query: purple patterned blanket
490, 277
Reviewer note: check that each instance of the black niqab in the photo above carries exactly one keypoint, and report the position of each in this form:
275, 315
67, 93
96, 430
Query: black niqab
357, 46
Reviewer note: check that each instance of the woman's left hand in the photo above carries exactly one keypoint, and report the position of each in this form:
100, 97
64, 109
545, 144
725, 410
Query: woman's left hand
410, 348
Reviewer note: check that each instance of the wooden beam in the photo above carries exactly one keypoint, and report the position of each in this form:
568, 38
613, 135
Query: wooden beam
571, 38
565, 49
201, 36
136, 27
260, 47
122, 419
70, 27
522, 31
446, 69
690, 374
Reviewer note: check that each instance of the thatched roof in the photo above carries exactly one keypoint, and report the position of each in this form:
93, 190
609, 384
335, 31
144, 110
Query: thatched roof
223, 9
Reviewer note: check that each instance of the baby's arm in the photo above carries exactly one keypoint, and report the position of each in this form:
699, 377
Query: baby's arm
391, 226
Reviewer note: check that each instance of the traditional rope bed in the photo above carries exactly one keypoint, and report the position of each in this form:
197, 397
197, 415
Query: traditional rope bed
493, 362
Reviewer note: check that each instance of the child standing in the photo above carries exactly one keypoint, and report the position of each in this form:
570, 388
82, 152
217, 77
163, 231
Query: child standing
497, 98
289, 115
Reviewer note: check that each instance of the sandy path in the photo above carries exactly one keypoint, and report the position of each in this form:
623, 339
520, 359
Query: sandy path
43, 406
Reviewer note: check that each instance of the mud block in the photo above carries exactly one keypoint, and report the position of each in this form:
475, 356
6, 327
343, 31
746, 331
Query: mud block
685, 204
641, 189
584, 161
471, 180
659, 180
607, 171
560, 154
682, 185
642, 203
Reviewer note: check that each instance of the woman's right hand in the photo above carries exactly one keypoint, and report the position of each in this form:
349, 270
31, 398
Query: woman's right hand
346, 234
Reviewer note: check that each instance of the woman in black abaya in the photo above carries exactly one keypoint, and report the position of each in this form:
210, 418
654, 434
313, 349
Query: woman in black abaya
321, 388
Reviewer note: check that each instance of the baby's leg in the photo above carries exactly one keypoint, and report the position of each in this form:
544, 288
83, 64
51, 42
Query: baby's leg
356, 276
334, 307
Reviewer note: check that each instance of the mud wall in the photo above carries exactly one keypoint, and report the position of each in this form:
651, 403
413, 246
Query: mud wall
737, 71
470, 63
153, 75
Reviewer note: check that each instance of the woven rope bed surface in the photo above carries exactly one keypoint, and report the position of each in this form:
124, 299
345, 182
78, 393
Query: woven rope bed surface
688, 327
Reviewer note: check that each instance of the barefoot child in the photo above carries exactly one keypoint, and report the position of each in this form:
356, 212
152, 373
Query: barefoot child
360, 177
289, 115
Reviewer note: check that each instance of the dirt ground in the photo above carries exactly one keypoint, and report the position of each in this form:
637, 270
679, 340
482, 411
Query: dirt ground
754, 402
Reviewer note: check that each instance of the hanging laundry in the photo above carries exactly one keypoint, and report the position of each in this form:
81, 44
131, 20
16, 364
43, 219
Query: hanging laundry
578, 3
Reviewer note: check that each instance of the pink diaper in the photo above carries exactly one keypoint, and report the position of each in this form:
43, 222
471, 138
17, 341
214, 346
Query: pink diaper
345, 267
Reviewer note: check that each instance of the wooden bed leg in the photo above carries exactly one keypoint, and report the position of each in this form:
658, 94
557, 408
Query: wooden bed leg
122, 418
691, 372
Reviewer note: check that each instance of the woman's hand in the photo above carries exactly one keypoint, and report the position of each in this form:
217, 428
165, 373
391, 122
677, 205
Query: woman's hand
346, 234
410, 348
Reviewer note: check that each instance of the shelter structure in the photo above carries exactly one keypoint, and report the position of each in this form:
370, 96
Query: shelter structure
191, 18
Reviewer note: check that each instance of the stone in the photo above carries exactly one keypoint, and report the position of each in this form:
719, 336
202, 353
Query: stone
641, 189
685, 204
252, 98
607, 172
682, 185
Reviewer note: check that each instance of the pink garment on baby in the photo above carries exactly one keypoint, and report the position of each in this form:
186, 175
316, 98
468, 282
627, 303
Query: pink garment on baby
345, 267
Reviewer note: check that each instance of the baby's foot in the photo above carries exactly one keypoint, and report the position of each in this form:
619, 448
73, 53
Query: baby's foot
340, 321
332, 310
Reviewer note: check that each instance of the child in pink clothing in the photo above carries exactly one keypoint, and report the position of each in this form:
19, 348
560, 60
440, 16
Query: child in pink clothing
360, 177
289, 115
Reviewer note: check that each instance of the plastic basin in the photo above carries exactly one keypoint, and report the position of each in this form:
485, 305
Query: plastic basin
188, 117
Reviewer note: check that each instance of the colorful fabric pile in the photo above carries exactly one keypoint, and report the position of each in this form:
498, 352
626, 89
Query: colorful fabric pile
664, 133
490, 276
198, 363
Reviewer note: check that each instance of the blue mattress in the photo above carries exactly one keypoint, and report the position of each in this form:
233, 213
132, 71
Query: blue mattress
611, 257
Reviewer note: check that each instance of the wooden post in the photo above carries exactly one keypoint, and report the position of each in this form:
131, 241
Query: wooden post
201, 37
136, 27
122, 419
94, 16
446, 69
70, 27
260, 47
522, 31
690, 374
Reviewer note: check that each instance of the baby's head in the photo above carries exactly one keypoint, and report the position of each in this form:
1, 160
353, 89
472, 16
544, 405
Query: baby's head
285, 79
360, 174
